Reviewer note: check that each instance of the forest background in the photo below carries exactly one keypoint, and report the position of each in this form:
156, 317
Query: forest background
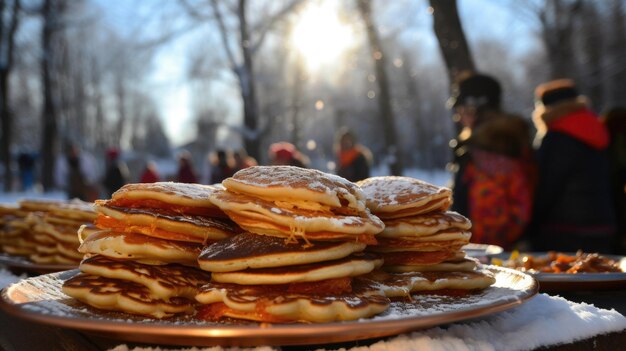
155, 77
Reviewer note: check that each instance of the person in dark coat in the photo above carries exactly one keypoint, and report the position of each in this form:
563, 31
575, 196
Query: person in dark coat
222, 166
493, 172
573, 208
116, 172
353, 159
615, 121
186, 172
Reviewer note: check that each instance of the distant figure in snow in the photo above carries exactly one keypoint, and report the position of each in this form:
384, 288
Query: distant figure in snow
353, 159
186, 172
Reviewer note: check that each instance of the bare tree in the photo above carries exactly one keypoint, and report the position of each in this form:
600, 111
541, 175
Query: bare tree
557, 19
387, 118
452, 43
242, 62
51, 11
616, 55
7, 44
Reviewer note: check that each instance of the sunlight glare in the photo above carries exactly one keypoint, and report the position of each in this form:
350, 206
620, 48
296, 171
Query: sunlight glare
319, 35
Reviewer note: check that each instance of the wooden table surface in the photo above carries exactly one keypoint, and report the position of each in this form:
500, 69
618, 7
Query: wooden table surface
17, 334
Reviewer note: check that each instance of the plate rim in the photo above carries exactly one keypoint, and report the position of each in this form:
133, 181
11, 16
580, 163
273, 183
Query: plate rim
275, 334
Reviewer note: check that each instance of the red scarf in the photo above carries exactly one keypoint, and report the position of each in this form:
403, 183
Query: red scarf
583, 125
346, 157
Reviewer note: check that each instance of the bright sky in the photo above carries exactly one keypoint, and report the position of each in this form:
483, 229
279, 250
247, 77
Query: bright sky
320, 36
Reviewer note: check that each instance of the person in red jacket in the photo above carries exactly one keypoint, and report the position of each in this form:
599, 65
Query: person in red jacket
186, 172
150, 174
572, 205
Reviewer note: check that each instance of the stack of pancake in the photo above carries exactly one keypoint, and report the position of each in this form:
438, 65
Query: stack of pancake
54, 227
15, 235
421, 243
45, 231
301, 258
144, 258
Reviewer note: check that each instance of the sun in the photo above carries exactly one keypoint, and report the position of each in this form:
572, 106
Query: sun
319, 36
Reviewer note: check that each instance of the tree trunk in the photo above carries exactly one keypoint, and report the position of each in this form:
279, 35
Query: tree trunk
617, 50
452, 43
49, 115
393, 145
248, 90
557, 21
6, 64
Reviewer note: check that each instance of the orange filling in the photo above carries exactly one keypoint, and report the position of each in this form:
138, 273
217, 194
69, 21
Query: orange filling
151, 203
106, 222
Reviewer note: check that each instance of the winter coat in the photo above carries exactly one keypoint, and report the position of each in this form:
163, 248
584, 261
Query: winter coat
354, 164
495, 180
572, 207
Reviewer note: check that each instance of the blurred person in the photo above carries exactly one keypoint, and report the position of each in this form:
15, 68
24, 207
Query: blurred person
573, 208
77, 183
150, 173
26, 166
353, 159
222, 166
286, 154
493, 169
186, 172
243, 160
615, 121
116, 174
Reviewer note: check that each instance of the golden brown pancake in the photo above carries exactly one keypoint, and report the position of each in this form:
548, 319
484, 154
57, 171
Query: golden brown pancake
453, 265
249, 250
164, 282
138, 247
424, 224
403, 284
32, 205
125, 296
351, 266
189, 199
395, 197
265, 217
164, 224
420, 257
307, 189
285, 303
446, 240
75, 209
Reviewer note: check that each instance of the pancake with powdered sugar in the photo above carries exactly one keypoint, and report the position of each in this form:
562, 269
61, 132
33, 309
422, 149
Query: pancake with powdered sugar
189, 199
424, 224
351, 266
453, 265
285, 220
395, 197
307, 189
308, 302
449, 239
125, 296
249, 250
142, 248
164, 282
164, 224
403, 284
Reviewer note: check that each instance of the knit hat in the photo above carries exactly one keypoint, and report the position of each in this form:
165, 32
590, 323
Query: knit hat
478, 90
556, 91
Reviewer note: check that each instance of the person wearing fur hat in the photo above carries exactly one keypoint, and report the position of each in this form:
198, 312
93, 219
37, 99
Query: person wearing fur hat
492, 163
572, 207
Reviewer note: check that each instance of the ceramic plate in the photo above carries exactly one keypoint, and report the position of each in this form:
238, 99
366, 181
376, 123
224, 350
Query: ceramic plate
40, 299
